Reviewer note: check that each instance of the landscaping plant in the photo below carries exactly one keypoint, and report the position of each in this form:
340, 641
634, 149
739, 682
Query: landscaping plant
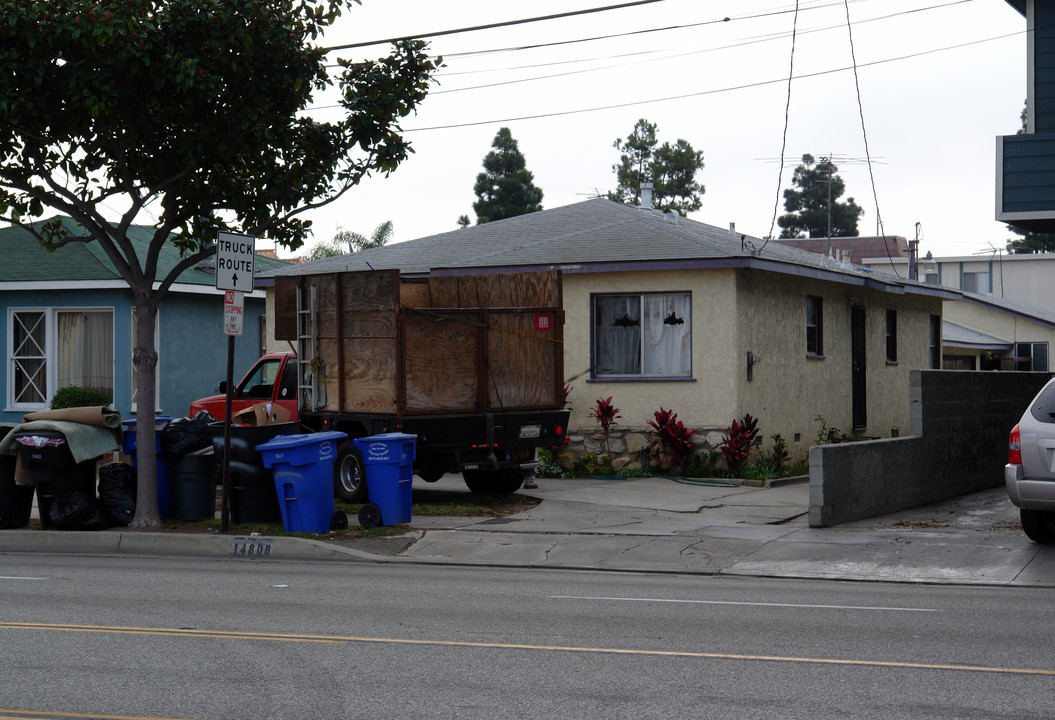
672, 438
739, 439
605, 414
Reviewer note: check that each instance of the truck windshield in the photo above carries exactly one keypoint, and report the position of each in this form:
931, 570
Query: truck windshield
258, 384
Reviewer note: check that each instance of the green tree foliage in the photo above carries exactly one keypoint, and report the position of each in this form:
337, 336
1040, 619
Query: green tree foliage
506, 188
817, 198
670, 168
356, 242
189, 113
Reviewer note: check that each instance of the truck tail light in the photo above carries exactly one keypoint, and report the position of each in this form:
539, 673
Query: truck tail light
1014, 448
558, 431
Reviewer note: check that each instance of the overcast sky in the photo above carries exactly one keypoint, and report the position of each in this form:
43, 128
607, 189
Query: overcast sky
939, 80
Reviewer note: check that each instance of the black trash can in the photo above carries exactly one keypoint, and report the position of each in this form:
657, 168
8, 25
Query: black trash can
192, 481
55, 473
16, 501
253, 496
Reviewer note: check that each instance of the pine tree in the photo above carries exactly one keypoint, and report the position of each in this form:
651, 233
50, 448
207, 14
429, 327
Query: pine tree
506, 188
814, 210
670, 168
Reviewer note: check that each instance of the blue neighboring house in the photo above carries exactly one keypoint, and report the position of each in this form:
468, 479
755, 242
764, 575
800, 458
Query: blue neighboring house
66, 318
1025, 163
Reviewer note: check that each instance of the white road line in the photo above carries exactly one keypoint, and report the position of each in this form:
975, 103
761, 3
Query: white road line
12, 577
730, 602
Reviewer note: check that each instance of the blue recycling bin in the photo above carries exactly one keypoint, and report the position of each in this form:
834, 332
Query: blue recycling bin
303, 470
129, 448
389, 461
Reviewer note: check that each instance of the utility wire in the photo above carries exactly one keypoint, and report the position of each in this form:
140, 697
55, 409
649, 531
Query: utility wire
784, 141
864, 131
490, 26
701, 93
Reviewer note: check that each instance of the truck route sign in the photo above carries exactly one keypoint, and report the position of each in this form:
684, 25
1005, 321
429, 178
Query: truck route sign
235, 266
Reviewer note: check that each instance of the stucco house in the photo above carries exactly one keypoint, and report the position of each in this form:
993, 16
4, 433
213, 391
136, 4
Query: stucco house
666, 312
67, 319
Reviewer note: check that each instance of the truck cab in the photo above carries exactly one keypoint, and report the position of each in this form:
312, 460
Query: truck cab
273, 379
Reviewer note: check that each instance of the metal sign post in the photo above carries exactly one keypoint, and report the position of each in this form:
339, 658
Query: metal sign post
235, 269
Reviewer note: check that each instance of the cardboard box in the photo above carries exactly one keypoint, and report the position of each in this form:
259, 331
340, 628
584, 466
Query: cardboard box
261, 414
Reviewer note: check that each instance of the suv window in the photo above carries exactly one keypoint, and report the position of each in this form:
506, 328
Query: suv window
1043, 408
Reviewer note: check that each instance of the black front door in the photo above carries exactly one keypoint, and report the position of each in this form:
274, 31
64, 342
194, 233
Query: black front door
857, 354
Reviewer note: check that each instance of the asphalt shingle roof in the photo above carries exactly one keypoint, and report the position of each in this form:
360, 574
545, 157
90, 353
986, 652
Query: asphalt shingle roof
596, 233
26, 261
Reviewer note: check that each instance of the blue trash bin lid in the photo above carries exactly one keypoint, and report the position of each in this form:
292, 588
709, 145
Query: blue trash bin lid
284, 442
386, 447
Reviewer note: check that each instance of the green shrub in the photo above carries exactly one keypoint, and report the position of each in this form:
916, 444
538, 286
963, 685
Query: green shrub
547, 466
73, 396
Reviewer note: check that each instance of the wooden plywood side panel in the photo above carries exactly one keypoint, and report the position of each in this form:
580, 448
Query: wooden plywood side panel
521, 362
325, 314
331, 373
286, 307
370, 290
440, 359
378, 324
369, 377
498, 290
415, 294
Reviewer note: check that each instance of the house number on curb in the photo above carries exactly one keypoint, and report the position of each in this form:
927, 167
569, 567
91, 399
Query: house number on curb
251, 547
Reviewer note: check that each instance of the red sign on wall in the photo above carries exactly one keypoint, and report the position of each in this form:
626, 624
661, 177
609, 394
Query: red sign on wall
543, 322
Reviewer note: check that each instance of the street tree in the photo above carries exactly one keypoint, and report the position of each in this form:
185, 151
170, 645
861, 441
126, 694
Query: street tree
189, 113
670, 168
506, 188
814, 209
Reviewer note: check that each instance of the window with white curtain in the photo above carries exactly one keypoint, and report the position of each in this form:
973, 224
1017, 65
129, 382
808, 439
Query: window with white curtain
53, 348
642, 335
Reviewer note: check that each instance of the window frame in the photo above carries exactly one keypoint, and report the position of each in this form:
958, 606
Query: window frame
51, 350
1019, 364
815, 303
891, 336
684, 295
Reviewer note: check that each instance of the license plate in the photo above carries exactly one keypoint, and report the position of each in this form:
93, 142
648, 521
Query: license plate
530, 431
251, 546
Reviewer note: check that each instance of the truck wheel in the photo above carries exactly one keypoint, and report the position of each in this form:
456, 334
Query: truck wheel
1039, 525
349, 474
493, 482
430, 475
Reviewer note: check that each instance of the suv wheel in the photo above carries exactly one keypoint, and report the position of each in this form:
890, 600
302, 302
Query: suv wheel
1039, 525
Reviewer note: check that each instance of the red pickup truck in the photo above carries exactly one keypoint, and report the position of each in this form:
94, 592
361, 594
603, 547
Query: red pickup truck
273, 379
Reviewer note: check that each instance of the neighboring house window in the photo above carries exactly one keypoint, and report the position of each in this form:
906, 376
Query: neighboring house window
814, 325
891, 336
642, 335
931, 278
55, 348
935, 342
1031, 356
976, 282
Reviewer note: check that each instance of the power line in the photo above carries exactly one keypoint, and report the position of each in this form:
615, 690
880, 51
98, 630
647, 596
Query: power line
702, 93
491, 26
784, 140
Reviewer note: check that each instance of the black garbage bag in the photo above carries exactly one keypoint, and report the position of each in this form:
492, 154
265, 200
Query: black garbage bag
117, 492
77, 511
186, 435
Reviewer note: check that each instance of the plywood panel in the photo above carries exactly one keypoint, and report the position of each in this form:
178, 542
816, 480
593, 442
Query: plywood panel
370, 376
440, 357
520, 362
497, 290
369, 290
377, 324
415, 294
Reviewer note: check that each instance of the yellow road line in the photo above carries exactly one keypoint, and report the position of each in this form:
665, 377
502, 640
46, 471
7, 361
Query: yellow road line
45, 715
287, 637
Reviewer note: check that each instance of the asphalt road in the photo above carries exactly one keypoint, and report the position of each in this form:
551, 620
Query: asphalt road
90, 637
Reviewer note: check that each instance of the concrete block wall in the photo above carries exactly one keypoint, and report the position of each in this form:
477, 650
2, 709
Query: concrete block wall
960, 424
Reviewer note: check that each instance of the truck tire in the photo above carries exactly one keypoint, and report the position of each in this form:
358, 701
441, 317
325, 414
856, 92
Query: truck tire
1039, 525
349, 474
493, 482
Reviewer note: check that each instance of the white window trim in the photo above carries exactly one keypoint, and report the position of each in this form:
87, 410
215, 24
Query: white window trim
51, 338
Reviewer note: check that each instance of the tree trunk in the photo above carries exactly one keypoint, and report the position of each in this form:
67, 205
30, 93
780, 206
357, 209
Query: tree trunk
145, 360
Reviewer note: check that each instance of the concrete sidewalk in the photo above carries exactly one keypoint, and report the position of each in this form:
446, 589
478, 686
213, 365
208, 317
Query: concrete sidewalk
654, 525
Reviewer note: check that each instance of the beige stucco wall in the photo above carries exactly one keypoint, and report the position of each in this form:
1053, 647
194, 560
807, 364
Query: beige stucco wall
1002, 325
736, 311
790, 390
707, 400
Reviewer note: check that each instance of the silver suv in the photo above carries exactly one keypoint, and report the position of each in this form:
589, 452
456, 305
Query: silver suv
1030, 470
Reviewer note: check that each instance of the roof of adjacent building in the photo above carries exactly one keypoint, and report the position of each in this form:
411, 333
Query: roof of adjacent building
853, 249
1017, 308
953, 335
25, 260
600, 235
